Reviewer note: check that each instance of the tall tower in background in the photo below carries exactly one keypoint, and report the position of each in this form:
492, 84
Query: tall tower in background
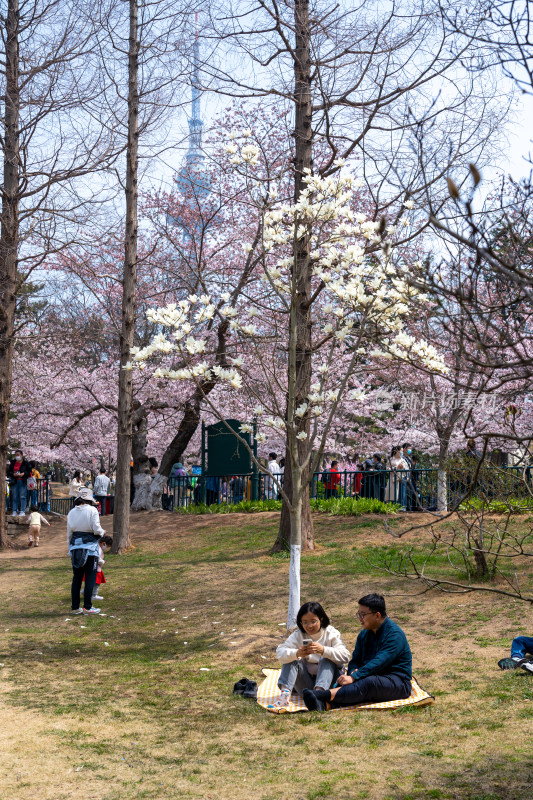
192, 179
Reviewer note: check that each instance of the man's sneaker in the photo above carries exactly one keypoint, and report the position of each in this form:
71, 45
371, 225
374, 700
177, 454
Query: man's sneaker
528, 666
91, 610
509, 663
76, 611
312, 702
22, 514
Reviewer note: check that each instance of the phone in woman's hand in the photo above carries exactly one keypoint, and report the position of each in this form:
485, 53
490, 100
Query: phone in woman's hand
306, 642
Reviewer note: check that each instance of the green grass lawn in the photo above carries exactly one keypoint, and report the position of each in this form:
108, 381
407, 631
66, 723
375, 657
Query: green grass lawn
138, 704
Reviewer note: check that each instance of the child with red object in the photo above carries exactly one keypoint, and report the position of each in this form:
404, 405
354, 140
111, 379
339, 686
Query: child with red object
103, 544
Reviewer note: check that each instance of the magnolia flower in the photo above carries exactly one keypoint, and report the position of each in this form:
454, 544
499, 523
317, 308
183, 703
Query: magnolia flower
246, 428
250, 153
258, 410
409, 204
128, 366
300, 411
237, 361
225, 296
302, 435
247, 247
260, 437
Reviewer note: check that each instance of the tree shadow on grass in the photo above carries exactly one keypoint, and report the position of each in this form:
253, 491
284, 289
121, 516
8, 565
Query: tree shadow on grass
490, 778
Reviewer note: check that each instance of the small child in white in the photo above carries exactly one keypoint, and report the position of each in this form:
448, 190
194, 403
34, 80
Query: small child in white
103, 544
34, 520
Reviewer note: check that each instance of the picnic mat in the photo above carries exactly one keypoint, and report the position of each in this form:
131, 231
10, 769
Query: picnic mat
268, 691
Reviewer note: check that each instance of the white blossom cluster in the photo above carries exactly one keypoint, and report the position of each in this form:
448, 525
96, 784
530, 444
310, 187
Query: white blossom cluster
356, 284
364, 299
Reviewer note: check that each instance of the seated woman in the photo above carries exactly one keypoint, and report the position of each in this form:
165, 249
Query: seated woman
312, 656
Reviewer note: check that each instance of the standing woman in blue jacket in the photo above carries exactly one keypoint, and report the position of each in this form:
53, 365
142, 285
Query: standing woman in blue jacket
83, 534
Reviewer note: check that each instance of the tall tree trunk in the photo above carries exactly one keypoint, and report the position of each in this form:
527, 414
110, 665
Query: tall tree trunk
303, 159
442, 475
295, 551
121, 519
148, 493
284, 533
9, 235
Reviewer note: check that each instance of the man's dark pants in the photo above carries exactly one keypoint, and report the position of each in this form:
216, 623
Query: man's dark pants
373, 689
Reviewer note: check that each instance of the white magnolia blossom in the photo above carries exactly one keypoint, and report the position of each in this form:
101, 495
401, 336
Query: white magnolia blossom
365, 299
250, 154
301, 410
260, 438
246, 428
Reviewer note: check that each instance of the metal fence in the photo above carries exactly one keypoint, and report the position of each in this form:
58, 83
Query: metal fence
414, 489
42, 497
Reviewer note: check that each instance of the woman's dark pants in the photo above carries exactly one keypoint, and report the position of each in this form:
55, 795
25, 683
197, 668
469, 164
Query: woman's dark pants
89, 570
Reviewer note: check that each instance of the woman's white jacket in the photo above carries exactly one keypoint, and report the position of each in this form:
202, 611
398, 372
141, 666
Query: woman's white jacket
330, 639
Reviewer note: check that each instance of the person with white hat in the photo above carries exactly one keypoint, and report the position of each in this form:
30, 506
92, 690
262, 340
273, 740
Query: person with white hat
83, 534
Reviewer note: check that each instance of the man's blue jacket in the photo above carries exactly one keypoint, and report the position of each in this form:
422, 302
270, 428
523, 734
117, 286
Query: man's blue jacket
385, 652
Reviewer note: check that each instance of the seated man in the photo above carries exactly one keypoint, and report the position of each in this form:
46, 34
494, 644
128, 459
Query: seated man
380, 667
520, 648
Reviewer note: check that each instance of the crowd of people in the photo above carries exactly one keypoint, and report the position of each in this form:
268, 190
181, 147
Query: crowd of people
22, 487
395, 481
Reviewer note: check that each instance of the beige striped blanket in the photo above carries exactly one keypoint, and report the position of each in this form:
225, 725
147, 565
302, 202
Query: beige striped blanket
268, 691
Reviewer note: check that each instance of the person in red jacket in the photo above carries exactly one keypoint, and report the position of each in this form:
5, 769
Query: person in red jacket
332, 479
18, 473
